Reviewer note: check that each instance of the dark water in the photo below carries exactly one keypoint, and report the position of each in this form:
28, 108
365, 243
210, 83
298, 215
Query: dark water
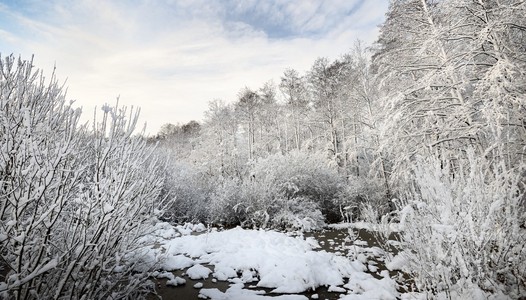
339, 241
342, 240
186, 291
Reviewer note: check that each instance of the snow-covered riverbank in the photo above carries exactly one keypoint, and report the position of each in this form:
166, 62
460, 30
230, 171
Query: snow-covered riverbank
259, 263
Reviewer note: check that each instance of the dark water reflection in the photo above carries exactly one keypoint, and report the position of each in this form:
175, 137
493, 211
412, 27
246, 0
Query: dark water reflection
338, 241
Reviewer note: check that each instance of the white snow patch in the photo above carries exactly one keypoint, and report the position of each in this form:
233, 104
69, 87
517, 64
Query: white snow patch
176, 281
372, 268
198, 272
173, 262
360, 243
393, 227
313, 243
363, 288
274, 260
188, 228
161, 275
337, 289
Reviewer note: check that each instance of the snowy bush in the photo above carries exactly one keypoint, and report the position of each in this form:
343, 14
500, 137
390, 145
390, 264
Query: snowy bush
464, 231
362, 191
227, 204
245, 203
73, 202
303, 176
188, 188
298, 214
294, 191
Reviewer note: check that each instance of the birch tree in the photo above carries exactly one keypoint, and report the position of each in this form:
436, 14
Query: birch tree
294, 89
327, 82
247, 108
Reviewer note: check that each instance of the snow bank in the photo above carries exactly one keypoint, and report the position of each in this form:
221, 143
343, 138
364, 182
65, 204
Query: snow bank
174, 262
274, 260
357, 225
286, 264
165, 231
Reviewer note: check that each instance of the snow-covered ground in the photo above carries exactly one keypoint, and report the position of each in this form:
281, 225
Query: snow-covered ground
257, 261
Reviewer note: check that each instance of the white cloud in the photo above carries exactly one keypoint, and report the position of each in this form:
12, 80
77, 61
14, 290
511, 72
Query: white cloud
172, 58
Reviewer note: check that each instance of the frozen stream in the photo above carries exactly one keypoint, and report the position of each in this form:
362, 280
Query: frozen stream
257, 264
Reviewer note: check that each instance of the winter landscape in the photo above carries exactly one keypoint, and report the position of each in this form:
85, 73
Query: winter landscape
395, 170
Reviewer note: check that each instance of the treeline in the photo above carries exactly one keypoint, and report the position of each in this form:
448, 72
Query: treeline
429, 127
300, 141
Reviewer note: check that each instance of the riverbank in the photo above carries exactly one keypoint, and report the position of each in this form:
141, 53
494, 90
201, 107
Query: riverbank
257, 264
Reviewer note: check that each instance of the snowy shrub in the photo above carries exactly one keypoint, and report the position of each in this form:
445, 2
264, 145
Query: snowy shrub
362, 191
295, 191
464, 231
244, 203
188, 190
73, 202
298, 214
261, 201
227, 206
119, 198
303, 176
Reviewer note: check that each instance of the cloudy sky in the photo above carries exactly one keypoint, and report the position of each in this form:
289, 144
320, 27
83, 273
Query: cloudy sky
171, 57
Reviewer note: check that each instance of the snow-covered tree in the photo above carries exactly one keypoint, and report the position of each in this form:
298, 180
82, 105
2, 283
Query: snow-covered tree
297, 102
327, 82
220, 149
180, 139
453, 77
41, 170
247, 109
268, 121
454, 81
74, 202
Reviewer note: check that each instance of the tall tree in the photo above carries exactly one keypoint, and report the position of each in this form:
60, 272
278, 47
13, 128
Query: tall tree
180, 140
219, 147
247, 108
268, 126
428, 107
294, 89
328, 83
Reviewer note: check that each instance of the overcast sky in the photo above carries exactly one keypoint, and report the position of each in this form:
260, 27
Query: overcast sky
172, 57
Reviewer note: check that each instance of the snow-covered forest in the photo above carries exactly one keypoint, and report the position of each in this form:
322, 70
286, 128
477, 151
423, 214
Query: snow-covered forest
421, 135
